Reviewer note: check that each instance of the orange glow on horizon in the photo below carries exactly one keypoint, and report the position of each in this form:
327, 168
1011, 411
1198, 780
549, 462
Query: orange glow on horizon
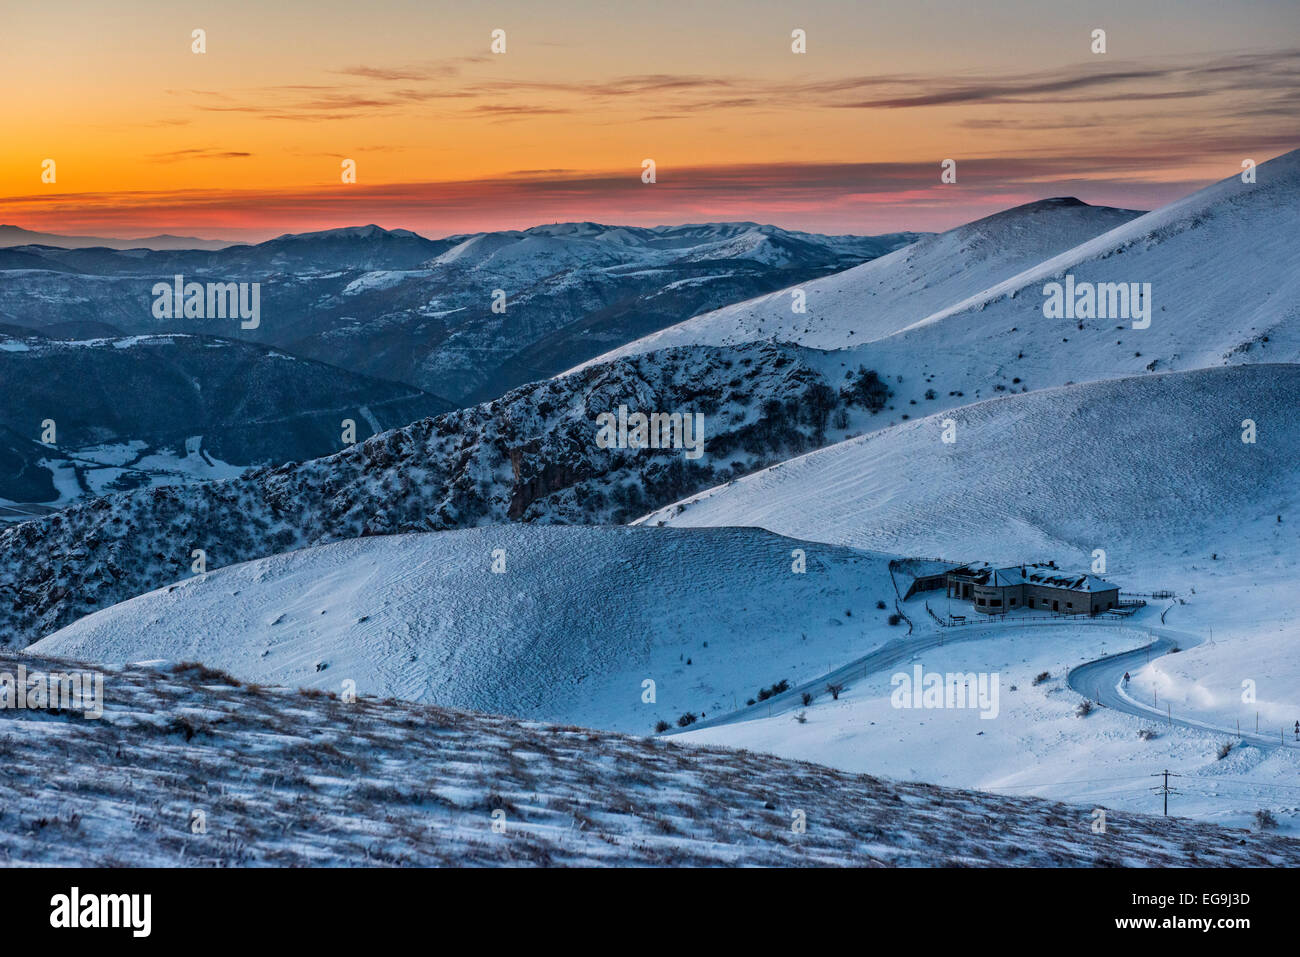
246, 139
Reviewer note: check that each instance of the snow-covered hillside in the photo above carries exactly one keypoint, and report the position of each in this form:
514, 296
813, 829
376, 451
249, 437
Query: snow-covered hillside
1224, 272
569, 631
531, 455
1149, 468
297, 779
1222, 264
886, 294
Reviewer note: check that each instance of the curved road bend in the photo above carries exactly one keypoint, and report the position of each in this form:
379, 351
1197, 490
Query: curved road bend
1102, 680
1098, 680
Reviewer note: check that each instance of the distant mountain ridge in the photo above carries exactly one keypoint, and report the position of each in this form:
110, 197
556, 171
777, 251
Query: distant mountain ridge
394, 305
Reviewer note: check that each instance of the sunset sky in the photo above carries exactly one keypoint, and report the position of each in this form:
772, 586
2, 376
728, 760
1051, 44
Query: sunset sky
245, 141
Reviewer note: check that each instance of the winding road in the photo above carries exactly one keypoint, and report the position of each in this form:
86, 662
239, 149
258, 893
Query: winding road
1099, 680
1102, 681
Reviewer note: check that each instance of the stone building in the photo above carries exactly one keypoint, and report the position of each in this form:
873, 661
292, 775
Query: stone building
1042, 587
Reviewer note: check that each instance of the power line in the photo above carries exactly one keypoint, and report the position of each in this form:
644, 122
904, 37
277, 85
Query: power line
1165, 789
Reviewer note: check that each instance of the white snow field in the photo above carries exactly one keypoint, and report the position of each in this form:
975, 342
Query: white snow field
1153, 469
295, 779
884, 295
580, 618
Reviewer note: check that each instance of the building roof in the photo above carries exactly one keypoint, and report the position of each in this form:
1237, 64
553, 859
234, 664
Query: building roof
1050, 576
979, 571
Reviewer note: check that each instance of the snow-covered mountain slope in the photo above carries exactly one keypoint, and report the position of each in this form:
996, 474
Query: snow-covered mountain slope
147, 410
570, 630
397, 306
302, 779
531, 455
1152, 469
886, 294
1223, 269
1232, 224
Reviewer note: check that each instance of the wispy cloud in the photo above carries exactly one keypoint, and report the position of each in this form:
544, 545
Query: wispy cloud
176, 156
1269, 80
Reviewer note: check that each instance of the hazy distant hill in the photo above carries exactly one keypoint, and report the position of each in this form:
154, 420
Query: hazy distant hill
17, 236
142, 410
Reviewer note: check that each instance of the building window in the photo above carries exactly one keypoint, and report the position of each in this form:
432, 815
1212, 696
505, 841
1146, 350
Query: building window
1031, 603
981, 601
1013, 603
995, 602
1069, 604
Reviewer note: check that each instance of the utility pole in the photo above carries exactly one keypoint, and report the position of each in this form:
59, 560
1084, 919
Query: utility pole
1165, 789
